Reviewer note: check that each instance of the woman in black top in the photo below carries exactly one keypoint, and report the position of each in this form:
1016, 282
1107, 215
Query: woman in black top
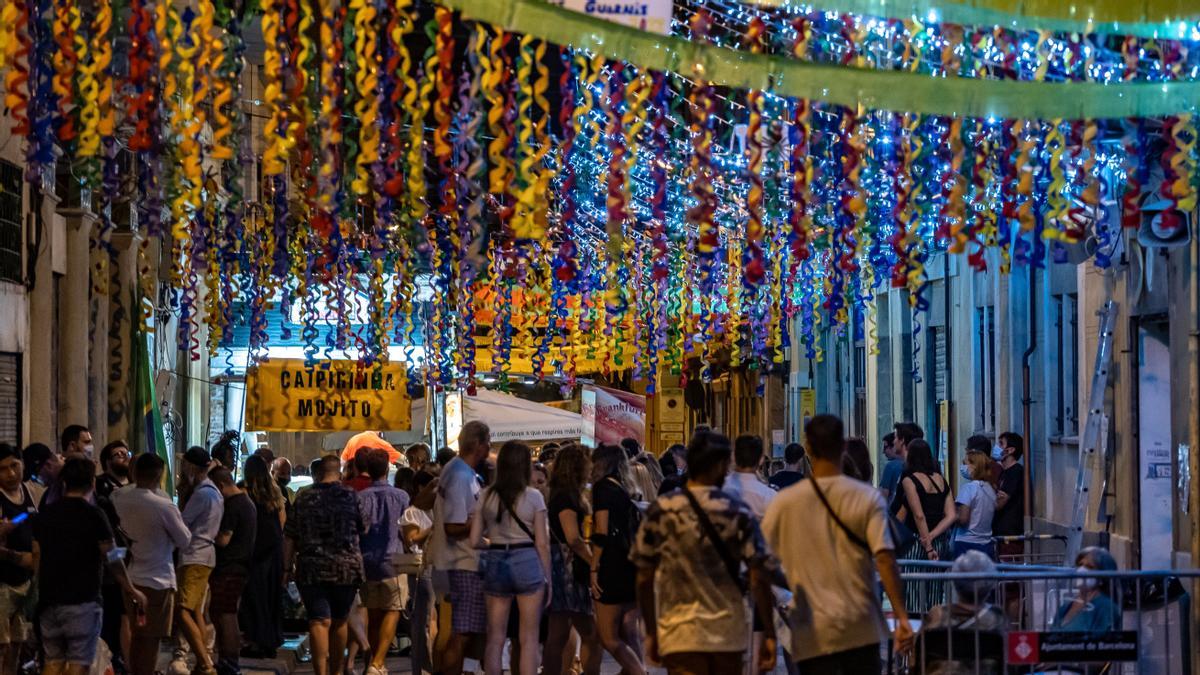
616, 518
925, 503
261, 611
570, 555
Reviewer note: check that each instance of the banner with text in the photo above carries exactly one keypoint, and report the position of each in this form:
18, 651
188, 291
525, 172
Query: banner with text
652, 16
610, 415
287, 395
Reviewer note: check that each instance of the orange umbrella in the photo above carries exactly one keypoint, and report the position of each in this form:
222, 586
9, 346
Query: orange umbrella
368, 439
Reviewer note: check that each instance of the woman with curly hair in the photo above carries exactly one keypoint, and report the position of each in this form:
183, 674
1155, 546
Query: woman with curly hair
570, 573
261, 612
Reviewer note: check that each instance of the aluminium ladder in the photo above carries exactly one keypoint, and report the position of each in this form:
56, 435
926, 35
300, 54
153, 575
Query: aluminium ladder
1093, 446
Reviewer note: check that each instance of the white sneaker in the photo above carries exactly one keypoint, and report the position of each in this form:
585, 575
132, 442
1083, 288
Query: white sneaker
179, 666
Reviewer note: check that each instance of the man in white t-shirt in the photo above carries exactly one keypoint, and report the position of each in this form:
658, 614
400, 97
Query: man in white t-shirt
155, 529
450, 547
744, 483
837, 620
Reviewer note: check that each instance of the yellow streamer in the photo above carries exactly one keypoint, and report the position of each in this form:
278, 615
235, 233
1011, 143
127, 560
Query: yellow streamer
493, 74
89, 97
366, 80
184, 127
956, 206
1183, 163
274, 152
1056, 197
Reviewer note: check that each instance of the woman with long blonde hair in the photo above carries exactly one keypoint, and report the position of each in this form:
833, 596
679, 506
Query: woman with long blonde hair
976, 501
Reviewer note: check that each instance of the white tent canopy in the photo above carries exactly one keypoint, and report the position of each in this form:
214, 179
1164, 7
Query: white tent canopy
513, 418
508, 417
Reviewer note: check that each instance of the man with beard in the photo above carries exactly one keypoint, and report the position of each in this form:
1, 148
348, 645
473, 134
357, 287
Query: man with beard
114, 462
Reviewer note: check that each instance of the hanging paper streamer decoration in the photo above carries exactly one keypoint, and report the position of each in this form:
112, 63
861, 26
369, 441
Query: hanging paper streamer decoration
718, 193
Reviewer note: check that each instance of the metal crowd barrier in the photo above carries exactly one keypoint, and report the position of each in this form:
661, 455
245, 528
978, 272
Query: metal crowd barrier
1042, 619
1035, 549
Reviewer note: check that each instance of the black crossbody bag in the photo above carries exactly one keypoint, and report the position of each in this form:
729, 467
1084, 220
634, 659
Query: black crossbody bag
850, 534
710, 531
520, 523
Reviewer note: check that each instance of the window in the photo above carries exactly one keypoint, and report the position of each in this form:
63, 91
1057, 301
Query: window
935, 390
10, 223
860, 388
1066, 325
985, 368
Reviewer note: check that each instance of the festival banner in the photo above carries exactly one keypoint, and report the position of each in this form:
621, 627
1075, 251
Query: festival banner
287, 395
610, 415
653, 16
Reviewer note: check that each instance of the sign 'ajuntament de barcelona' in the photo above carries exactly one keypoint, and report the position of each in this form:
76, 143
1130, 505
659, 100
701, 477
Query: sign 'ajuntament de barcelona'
287, 395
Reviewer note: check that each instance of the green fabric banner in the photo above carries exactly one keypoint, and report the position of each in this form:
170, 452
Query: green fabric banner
1172, 19
147, 417
874, 89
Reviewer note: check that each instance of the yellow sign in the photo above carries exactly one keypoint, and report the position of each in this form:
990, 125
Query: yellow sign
287, 395
808, 405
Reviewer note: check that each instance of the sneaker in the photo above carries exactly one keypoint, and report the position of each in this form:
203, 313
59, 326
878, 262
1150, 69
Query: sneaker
376, 670
179, 665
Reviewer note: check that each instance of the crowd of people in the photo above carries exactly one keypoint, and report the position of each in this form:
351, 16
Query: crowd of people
563, 554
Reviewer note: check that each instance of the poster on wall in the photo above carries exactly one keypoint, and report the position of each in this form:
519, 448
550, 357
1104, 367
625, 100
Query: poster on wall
610, 415
652, 16
288, 395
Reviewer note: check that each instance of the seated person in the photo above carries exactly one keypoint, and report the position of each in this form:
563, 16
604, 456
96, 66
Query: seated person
966, 636
1092, 609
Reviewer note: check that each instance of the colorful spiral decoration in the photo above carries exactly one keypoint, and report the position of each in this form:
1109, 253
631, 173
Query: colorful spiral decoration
632, 220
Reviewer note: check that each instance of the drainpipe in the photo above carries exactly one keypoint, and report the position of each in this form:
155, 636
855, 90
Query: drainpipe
949, 348
1027, 387
1194, 428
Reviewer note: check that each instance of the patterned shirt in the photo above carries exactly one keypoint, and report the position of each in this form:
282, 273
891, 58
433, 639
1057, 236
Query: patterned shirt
325, 525
382, 506
700, 608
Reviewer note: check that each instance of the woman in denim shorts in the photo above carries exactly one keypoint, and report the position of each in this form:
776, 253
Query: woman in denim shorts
510, 526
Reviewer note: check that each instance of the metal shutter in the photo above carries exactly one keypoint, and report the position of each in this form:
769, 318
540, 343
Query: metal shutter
10, 398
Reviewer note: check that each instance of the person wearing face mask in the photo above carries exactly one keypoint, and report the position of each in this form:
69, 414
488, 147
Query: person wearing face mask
976, 501
41, 469
76, 441
1009, 520
1092, 609
281, 473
